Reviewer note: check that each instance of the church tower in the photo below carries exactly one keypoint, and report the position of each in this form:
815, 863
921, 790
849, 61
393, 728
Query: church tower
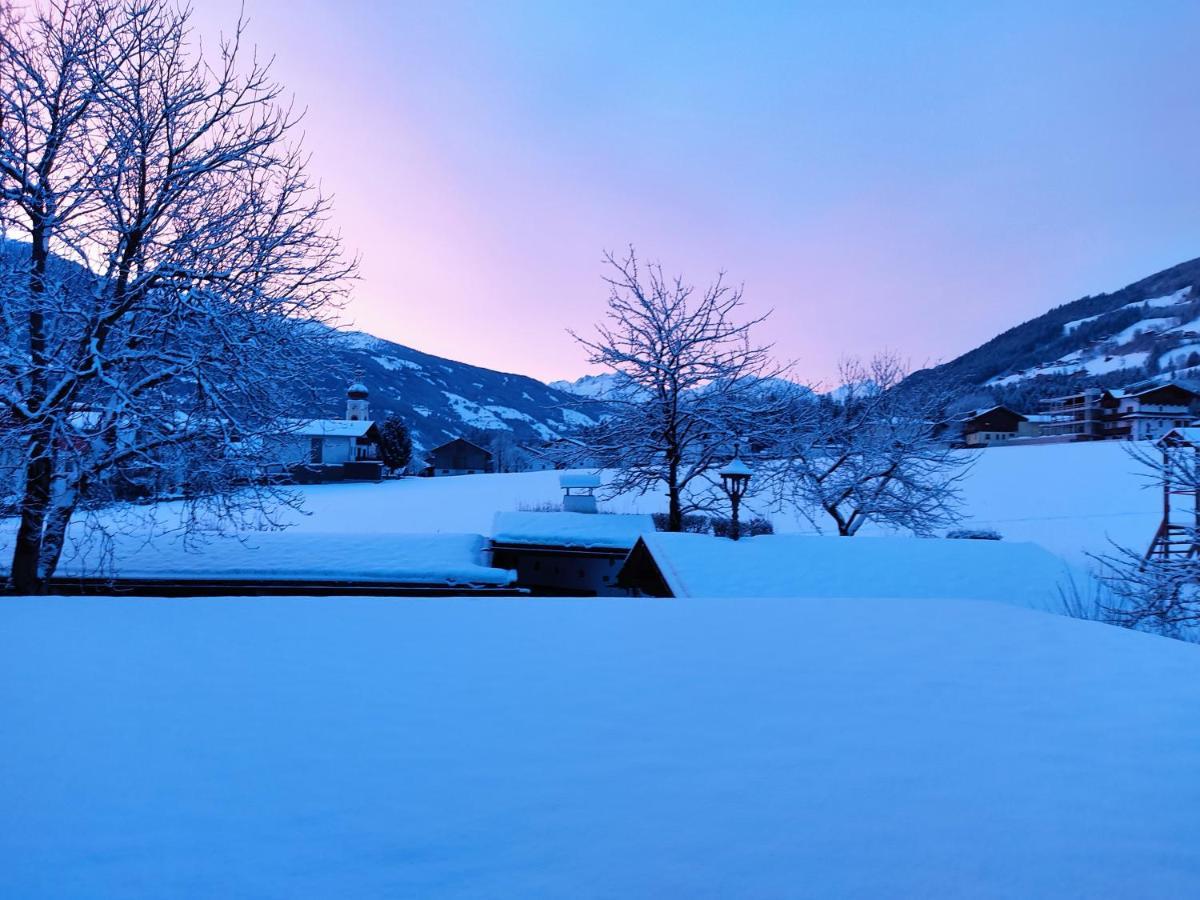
356, 402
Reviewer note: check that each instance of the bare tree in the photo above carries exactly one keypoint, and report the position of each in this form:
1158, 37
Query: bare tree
177, 266
692, 382
873, 451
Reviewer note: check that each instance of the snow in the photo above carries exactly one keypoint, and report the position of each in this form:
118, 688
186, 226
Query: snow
580, 480
392, 363
1103, 365
1125, 335
594, 387
575, 419
457, 559
473, 414
1074, 324
1179, 356
1166, 300
1070, 499
356, 747
570, 529
736, 466
333, 428
698, 565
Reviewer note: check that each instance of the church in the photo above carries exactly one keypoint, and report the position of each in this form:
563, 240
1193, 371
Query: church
336, 449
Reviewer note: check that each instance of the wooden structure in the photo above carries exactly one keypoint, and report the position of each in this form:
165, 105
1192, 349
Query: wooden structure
1179, 529
566, 553
458, 457
983, 428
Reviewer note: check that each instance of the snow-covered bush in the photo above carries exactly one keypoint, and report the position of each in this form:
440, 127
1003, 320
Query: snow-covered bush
722, 526
974, 534
539, 507
695, 524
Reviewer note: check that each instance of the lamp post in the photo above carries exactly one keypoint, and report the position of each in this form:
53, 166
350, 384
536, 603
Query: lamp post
735, 478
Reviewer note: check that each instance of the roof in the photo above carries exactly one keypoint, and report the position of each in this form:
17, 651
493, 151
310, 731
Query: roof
439, 560
570, 529
791, 565
333, 428
460, 440
579, 480
1186, 436
1163, 387
977, 413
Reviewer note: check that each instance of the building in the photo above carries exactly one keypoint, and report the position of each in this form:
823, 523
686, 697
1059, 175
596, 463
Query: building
566, 553
1139, 415
796, 566
335, 449
1149, 414
998, 425
458, 457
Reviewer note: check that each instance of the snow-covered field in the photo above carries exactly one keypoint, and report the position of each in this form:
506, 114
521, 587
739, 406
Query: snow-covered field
351, 747
1071, 499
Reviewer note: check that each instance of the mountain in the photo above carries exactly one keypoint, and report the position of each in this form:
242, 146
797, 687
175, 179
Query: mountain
442, 399
1146, 331
594, 387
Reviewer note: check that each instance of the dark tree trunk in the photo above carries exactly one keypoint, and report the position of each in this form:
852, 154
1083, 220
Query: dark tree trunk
39, 468
674, 507
27, 550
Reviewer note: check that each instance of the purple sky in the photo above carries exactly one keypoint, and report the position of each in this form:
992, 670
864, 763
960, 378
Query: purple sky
917, 178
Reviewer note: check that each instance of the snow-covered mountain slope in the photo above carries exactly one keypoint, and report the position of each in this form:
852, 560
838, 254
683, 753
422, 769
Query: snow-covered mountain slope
442, 399
594, 387
1149, 330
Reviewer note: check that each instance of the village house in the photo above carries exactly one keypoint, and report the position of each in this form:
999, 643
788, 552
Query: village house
998, 425
458, 457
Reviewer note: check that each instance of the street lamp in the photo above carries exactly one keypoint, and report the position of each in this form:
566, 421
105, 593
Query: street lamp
735, 478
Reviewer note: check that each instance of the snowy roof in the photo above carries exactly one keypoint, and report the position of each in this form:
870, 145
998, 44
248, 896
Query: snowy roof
976, 413
570, 529
736, 466
433, 559
333, 428
1189, 435
579, 480
698, 565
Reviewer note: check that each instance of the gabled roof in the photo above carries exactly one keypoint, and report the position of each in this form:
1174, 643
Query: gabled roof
979, 413
460, 440
570, 529
792, 565
355, 428
1188, 436
1162, 387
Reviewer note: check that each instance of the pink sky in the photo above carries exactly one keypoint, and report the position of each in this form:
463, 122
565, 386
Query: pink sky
919, 181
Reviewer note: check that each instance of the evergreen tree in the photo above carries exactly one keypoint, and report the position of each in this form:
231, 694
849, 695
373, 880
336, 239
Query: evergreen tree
395, 443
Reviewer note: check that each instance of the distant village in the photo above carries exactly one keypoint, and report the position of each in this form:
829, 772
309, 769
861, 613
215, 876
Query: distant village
1094, 414
348, 449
